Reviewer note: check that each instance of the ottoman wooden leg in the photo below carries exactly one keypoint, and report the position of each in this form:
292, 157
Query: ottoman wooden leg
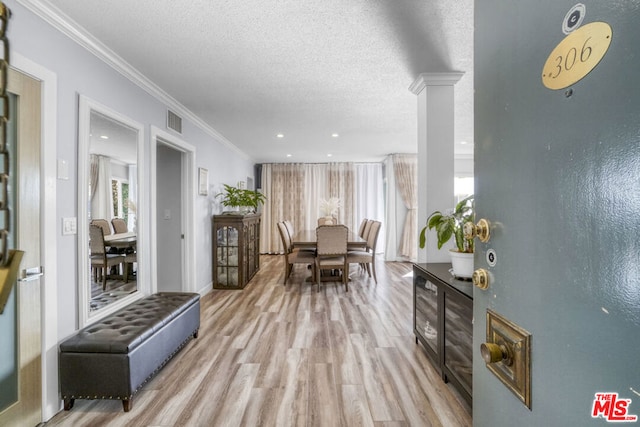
68, 403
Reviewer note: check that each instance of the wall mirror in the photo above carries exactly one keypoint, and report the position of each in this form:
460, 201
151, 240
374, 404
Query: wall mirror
110, 221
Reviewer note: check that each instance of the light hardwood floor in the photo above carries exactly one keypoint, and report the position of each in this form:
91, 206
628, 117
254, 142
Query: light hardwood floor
274, 355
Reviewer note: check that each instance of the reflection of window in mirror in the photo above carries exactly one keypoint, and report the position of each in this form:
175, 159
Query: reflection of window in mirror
120, 193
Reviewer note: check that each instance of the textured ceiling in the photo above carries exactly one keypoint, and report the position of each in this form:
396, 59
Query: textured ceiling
302, 68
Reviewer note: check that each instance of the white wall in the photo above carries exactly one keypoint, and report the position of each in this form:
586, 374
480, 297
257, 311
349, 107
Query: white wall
80, 72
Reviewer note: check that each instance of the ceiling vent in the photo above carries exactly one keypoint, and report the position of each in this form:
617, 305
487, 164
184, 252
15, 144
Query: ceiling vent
174, 122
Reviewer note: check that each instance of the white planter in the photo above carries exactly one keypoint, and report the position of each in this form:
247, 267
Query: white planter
462, 264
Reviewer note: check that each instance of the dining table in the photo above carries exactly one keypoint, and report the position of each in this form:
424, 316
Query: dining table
306, 239
121, 240
124, 243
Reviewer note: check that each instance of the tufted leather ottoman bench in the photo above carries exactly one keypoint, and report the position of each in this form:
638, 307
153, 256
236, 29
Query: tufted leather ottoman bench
114, 357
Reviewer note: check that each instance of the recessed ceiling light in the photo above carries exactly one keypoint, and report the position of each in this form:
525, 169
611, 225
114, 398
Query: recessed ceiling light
463, 142
335, 135
329, 155
280, 135
289, 155
104, 137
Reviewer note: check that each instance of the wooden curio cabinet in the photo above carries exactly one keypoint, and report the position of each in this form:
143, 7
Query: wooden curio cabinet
236, 249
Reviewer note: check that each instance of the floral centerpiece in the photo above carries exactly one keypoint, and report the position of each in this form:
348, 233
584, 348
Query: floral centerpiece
329, 208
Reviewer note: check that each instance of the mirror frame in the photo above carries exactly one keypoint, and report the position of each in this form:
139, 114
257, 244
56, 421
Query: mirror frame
85, 315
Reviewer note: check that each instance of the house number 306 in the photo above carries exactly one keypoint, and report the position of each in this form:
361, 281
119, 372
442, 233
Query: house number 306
576, 55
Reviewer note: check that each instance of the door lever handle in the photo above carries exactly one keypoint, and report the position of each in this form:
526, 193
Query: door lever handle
30, 274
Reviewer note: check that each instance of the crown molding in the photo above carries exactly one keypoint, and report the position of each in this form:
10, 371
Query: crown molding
435, 79
57, 19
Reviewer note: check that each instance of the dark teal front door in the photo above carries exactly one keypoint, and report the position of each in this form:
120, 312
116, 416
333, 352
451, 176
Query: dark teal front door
557, 173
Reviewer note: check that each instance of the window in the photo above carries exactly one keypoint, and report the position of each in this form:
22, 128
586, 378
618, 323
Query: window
120, 194
463, 187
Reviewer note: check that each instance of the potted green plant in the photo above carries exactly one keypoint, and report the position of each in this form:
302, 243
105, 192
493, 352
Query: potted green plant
245, 200
451, 224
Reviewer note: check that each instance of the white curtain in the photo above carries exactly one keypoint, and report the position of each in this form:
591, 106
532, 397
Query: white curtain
402, 228
101, 197
369, 191
294, 191
405, 168
391, 196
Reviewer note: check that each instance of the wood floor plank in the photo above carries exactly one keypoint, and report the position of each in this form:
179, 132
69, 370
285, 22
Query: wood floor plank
356, 409
290, 355
383, 402
324, 405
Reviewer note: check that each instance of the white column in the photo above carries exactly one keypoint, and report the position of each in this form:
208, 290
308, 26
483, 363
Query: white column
435, 153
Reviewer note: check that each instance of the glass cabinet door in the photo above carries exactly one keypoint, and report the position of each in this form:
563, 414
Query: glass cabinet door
426, 300
458, 339
227, 256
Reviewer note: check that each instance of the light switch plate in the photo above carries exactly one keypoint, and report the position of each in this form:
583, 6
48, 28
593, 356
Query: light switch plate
515, 374
63, 169
69, 226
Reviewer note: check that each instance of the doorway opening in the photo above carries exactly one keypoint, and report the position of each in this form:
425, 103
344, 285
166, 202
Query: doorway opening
173, 187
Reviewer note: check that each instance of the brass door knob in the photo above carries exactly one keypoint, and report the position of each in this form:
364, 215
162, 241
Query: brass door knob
480, 230
494, 353
480, 278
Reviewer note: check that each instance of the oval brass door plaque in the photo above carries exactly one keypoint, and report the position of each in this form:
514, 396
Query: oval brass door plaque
576, 55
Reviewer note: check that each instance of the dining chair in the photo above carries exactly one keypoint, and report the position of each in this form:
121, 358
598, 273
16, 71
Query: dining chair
367, 256
331, 252
367, 227
292, 232
363, 224
289, 226
100, 259
119, 225
292, 256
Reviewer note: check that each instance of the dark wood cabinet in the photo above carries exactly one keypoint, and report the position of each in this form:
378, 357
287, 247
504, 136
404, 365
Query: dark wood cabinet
443, 322
236, 249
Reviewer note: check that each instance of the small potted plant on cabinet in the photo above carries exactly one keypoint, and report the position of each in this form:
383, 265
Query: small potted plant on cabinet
247, 201
450, 225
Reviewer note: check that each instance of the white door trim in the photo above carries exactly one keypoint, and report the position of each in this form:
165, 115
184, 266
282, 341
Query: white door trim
48, 283
188, 207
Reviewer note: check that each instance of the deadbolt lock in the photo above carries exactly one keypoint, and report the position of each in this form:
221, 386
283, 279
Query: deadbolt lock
480, 230
480, 278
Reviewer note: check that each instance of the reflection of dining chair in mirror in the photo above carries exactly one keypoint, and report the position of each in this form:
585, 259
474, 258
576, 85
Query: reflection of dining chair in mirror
100, 259
331, 253
367, 257
129, 259
119, 225
104, 224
